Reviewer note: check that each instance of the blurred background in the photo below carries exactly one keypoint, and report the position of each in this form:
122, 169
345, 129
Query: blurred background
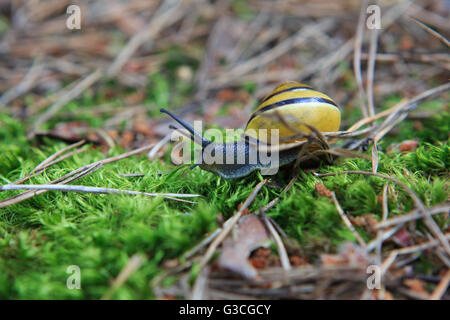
213, 59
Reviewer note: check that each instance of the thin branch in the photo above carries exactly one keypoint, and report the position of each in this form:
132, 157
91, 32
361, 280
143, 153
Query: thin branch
432, 31
383, 218
431, 224
441, 288
168, 13
413, 215
57, 154
152, 153
198, 292
347, 221
371, 70
76, 188
47, 165
133, 264
281, 249
421, 247
71, 176
64, 99
357, 56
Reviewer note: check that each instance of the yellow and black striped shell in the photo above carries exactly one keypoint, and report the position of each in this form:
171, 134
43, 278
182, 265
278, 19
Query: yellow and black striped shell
295, 101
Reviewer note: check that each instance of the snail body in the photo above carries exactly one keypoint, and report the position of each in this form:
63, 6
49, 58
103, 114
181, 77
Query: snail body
297, 103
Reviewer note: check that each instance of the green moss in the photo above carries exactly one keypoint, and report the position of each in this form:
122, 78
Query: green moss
41, 237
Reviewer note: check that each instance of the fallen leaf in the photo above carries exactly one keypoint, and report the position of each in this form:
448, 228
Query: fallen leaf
404, 146
408, 145
259, 258
249, 234
368, 221
322, 190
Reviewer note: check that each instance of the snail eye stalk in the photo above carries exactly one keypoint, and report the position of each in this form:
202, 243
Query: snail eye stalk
188, 127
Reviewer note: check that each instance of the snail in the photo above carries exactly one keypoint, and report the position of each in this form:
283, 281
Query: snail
298, 104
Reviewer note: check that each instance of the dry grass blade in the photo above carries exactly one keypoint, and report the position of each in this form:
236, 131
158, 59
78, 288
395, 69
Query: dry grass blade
357, 56
71, 176
379, 115
413, 215
202, 244
347, 221
64, 99
383, 218
27, 83
374, 157
75, 174
431, 224
169, 12
133, 264
86, 189
50, 161
267, 56
371, 71
398, 114
432, 31
198, 292
440, 289
281, 249
272, 203
57, 154
152, 153
393, 255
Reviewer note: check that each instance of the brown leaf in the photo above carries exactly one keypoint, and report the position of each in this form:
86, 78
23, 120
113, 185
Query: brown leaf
409, 145
259, 258
250, 234
368, 221
405, 146
322, 190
